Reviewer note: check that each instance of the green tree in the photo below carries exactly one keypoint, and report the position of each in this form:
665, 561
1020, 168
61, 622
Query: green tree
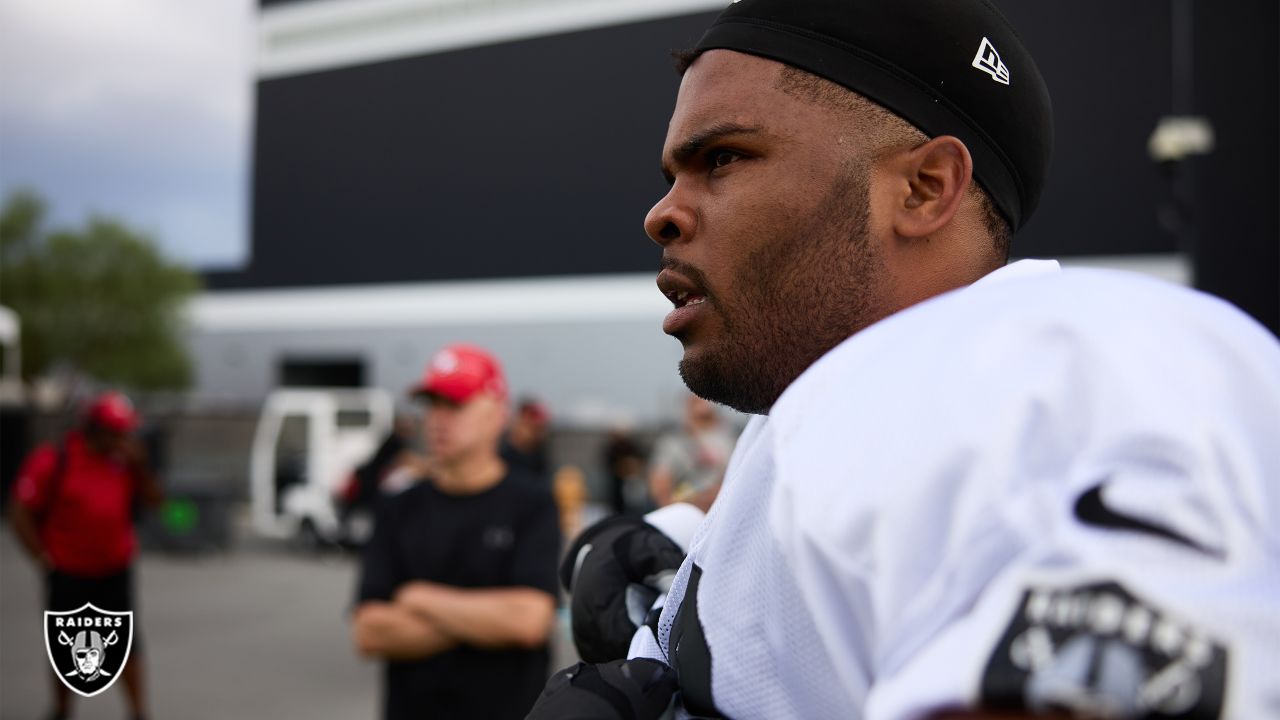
98, 300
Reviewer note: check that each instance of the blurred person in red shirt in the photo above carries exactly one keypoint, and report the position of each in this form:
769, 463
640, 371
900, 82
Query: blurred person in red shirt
73, 512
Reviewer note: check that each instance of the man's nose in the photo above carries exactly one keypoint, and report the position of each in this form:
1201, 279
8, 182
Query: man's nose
671, 219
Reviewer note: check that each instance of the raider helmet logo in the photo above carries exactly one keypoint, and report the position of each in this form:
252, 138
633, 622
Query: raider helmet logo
88, 647
1096, 650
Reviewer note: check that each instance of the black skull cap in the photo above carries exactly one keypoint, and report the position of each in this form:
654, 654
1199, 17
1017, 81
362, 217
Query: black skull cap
949, 67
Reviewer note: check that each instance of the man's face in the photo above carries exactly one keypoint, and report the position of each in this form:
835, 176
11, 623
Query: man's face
87, 660
767, 254
456, 430
533, 423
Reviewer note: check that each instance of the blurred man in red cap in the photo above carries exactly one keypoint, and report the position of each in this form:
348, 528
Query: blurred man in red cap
457, 589
73, 512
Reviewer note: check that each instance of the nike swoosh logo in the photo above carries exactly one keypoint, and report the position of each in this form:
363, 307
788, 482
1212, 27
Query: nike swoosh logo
1091, 510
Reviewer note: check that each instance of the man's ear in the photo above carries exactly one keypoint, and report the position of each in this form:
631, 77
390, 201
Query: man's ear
935, 177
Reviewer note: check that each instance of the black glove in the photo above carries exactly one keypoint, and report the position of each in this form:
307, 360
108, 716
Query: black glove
639, 689
614, 571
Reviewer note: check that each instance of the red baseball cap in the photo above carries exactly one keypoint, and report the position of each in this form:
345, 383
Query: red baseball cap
460, 372
113, 411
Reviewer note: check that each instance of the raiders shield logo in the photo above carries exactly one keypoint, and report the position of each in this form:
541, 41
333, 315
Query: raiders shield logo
1096, 650
88, 647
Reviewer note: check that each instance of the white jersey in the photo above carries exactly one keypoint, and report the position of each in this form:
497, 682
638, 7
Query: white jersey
1049, 489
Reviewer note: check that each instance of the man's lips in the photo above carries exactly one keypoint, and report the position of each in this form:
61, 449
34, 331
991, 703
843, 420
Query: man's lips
679, 289
685, 295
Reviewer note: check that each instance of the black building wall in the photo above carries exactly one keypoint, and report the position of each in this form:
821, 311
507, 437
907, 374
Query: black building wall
1235, 191
540, 157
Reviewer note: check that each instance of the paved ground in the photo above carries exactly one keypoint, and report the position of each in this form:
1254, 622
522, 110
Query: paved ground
259, 632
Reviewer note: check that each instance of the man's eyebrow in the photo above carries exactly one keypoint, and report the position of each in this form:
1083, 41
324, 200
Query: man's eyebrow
697, 142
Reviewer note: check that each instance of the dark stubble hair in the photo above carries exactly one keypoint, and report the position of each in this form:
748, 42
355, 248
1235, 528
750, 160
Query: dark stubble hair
800, 294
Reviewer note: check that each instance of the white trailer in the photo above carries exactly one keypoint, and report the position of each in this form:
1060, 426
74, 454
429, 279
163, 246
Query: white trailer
307, 443
11, 346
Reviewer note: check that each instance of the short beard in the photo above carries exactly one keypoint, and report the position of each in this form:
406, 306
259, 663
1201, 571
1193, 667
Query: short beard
810, 287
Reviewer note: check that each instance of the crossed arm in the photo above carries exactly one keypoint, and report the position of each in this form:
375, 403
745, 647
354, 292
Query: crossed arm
425, 619
662, 486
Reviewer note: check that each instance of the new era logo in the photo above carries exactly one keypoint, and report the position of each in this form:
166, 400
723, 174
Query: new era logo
988, 61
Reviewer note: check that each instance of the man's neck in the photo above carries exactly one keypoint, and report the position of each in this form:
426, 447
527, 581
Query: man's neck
470, 475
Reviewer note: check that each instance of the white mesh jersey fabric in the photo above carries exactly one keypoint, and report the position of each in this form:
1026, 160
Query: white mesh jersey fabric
929, 473
766, 658
877, 533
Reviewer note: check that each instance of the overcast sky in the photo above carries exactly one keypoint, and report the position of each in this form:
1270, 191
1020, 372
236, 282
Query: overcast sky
137, 109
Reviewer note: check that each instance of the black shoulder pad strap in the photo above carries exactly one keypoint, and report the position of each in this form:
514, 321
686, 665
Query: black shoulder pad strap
690, 656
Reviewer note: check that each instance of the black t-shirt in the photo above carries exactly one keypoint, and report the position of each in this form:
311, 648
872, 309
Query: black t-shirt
508, 535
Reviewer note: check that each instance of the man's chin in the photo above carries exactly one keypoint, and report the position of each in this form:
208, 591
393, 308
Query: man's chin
732, 379
704, 374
